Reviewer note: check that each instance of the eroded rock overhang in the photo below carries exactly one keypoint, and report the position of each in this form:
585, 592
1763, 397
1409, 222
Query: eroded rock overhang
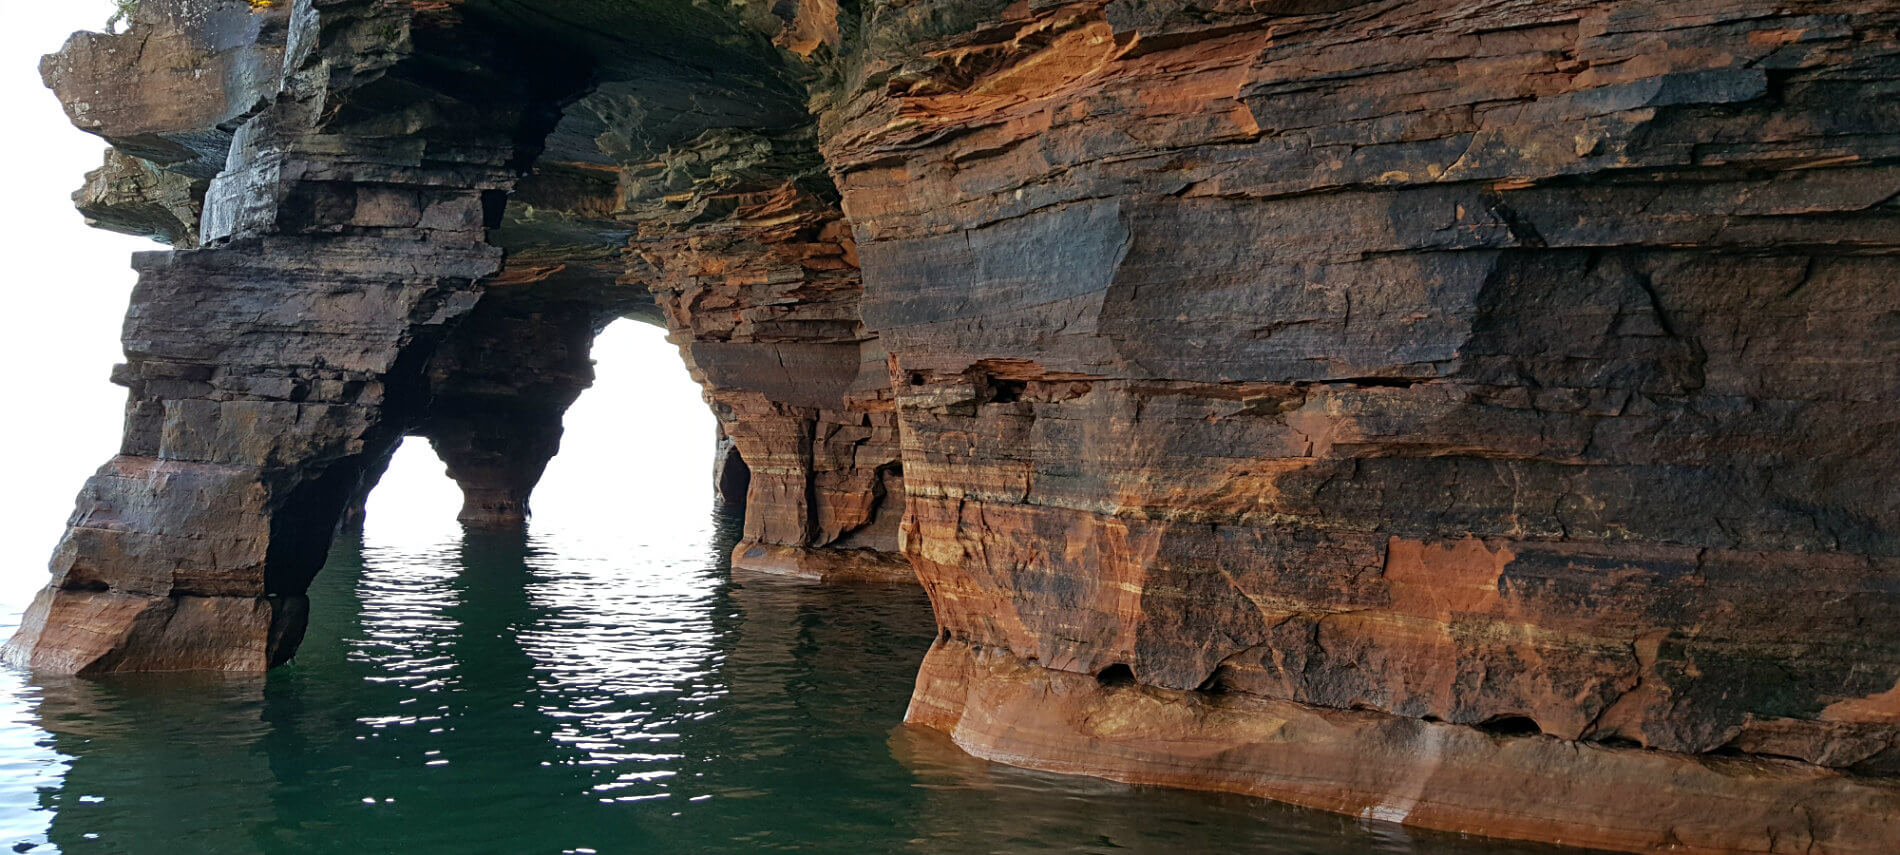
1473, 415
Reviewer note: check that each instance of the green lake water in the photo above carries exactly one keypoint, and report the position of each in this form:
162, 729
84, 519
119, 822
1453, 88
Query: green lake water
607, 692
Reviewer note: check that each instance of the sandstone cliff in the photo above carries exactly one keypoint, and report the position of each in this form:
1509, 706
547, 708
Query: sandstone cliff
1475, 414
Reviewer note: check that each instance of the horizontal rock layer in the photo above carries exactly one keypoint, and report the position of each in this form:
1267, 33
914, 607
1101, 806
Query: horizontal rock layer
1463, 364
1395, 769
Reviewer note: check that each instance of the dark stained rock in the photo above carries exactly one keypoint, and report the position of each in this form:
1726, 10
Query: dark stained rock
497, 389
132, 196
274, 369
1473, 415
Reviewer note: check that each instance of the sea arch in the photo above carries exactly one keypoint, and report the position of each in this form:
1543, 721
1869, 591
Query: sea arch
411, 219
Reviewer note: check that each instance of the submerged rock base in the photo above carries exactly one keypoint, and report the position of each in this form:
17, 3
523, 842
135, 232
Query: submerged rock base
1396, 769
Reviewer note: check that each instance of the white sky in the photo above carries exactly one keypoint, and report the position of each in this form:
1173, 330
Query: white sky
640, 443
64, 290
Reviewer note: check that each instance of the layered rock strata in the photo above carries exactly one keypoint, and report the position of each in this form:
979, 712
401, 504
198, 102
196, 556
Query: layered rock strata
758, 276
1476, 415
268, 373
1514, 369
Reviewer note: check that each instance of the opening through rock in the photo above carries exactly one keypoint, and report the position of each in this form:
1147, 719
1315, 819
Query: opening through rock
639, 442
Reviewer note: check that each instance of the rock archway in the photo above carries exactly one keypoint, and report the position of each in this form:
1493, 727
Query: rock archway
423, 216
1460, 413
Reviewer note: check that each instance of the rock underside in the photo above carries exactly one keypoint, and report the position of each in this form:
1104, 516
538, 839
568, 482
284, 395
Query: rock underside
1467, 413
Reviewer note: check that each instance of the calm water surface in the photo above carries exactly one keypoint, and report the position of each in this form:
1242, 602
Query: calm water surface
609, 691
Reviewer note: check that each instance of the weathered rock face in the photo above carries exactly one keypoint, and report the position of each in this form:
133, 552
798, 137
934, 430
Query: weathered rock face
270, 374
1509, 369
1476, 415
757, 273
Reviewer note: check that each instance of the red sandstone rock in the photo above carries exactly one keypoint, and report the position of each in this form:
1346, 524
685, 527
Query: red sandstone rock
763, 306
1396, 769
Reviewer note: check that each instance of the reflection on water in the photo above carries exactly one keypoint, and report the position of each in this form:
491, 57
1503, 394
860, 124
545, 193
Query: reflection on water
612, 692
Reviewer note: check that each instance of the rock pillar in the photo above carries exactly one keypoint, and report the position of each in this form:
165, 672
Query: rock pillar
497, 390
274, 368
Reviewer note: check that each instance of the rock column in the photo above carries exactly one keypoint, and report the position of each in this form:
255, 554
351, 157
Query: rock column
497, 391
271, 370
757, 273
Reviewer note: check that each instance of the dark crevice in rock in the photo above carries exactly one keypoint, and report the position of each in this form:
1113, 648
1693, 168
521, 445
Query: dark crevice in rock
303, 526
1006, 391
1217, 683
732, 476
1617, 742
1117, 675
289, 618
1510, 725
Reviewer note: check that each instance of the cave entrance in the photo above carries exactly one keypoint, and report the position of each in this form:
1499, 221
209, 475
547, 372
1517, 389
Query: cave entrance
637, 444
